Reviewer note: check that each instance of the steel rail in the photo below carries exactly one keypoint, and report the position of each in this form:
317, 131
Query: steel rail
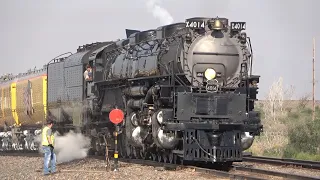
283, 161
197, 169
273, 173
23, 154
227, 174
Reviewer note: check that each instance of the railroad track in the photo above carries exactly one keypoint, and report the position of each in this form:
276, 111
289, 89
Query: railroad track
272, 173
283, 162
237, 171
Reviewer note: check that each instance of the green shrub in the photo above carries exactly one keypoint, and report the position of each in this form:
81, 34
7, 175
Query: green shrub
293, 115
273, 152
305, 137
289, 152
306, 111
306, 156
302, 134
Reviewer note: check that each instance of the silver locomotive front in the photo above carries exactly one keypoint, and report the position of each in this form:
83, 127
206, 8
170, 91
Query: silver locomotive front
216, 56
214, 51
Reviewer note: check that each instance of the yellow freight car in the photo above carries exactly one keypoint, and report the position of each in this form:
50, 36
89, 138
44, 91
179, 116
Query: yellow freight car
31, 99
23, 102
6, 114
23, 98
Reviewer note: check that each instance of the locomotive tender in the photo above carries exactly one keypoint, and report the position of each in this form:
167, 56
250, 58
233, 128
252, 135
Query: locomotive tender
186, 89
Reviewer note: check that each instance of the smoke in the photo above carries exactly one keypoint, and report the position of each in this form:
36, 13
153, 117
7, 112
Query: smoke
158, 12
71, 146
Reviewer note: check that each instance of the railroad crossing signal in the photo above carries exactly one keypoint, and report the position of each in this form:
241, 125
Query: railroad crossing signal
116, 116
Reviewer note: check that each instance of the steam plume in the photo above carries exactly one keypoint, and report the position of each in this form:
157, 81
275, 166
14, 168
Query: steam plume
71, 146
158, 12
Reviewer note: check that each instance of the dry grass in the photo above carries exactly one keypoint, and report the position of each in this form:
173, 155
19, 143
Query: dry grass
272, 139
275, 111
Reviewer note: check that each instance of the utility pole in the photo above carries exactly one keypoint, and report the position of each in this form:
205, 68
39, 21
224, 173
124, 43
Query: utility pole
313, 80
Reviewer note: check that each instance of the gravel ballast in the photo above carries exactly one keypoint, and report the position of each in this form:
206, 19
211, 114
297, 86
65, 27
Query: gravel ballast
16, 168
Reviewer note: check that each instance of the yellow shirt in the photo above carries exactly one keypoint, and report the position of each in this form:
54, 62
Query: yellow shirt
46, 131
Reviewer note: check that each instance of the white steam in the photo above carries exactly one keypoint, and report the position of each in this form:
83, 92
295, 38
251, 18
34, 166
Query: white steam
158, 12
71, 146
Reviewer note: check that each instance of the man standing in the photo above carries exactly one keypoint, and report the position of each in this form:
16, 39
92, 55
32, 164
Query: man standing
47, 146
88, 73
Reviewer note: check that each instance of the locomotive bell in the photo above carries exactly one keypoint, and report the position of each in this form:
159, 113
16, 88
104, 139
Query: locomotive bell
216, 25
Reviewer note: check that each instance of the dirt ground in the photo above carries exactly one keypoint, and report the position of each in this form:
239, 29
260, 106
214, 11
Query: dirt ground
16, 168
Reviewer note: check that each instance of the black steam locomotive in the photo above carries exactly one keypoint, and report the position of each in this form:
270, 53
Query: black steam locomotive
186, 89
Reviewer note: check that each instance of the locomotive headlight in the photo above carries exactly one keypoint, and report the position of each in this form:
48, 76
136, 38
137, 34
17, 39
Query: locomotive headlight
210, 74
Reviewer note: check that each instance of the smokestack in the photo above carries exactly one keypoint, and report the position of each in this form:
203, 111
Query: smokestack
130, 31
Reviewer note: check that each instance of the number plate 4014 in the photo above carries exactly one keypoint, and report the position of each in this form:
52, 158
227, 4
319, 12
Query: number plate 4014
195, 24
238, 26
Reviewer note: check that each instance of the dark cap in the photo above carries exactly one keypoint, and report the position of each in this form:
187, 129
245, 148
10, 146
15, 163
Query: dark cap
49, 122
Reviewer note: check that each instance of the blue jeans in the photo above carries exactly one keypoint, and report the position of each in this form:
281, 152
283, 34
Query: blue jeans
49, 155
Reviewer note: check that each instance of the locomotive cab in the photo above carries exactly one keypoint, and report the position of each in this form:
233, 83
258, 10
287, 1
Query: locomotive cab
88, 78
88, 73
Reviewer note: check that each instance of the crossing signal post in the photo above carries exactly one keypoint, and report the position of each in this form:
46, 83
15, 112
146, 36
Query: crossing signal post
116, 116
